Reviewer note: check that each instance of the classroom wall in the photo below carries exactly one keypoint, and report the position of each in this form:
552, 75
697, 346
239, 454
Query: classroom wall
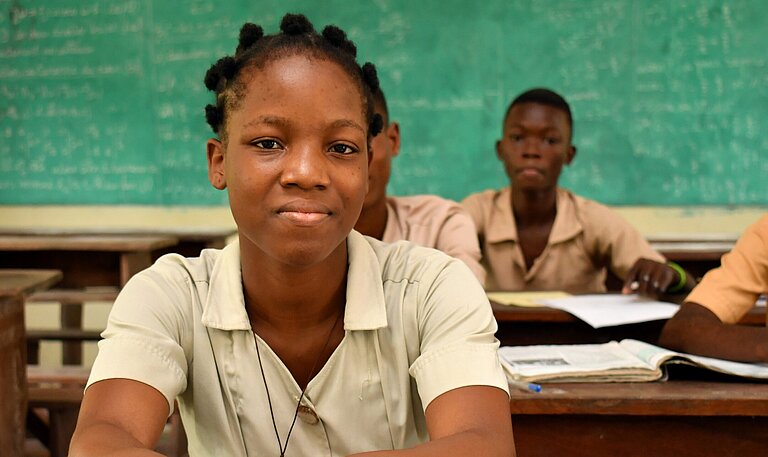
101, 102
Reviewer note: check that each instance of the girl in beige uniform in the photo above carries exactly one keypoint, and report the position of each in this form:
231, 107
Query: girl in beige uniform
303, 338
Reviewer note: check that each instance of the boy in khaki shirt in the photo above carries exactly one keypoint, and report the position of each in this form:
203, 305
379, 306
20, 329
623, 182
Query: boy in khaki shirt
427, 220
535, 235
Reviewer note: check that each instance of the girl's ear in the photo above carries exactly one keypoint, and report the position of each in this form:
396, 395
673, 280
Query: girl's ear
216, 162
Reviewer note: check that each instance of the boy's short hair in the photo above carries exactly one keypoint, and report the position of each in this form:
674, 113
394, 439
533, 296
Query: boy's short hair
543, 96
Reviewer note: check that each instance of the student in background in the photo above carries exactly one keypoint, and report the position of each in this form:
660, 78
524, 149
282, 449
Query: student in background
302, 335
705, 323
427, 220
535, 235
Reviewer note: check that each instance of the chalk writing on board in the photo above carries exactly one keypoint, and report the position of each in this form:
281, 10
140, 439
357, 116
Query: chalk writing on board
102, 101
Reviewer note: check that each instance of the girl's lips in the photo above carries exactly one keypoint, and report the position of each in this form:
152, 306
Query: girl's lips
303, 212
304, 218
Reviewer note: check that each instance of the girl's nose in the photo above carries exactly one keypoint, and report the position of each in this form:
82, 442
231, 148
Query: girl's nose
305, 167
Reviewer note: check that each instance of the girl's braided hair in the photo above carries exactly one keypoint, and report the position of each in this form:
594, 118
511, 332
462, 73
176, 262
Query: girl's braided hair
297, 36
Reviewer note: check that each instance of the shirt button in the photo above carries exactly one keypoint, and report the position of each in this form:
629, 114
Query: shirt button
308, 415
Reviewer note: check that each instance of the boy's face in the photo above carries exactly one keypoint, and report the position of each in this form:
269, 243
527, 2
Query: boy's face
384, 147
295, 162
535, 145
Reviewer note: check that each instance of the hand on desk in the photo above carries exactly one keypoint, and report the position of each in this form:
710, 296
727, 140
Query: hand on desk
652, 279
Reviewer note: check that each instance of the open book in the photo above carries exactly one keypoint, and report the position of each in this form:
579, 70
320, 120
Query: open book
625, 361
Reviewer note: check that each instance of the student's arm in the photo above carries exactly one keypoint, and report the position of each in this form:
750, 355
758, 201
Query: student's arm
623, 249
119, 417
697, 330
469, 421
654, 279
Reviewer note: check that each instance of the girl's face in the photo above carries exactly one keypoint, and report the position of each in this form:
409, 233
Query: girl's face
295, 161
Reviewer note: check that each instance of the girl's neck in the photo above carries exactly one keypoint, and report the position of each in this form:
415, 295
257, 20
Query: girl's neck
534, 207
290, 299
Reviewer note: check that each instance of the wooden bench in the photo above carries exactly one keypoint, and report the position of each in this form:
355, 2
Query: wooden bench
55, 394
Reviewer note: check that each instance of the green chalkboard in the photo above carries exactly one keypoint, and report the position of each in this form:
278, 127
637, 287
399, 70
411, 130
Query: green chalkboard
101, 102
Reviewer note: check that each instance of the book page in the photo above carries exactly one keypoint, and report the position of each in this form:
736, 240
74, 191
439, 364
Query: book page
656, 356
604, 310
575, 362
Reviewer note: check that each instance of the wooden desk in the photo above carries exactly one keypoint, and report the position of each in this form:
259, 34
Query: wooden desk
15, 285
541, 325
697, 257
86, 261
674, 418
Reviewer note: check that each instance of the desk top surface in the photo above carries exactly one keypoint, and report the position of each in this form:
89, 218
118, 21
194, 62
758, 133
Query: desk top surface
25, 282
683, 398
92, 242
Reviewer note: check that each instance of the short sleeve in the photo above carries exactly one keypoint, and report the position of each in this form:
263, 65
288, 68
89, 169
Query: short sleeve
458, 346
731, 290
144, 333
619, 244
473, 205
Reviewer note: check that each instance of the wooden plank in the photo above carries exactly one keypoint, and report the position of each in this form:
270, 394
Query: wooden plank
14, 282
75, 296
63, 334
639, 436
673, 398
113, 243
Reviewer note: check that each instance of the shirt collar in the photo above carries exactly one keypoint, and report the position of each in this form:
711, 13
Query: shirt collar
224, 307
502, 226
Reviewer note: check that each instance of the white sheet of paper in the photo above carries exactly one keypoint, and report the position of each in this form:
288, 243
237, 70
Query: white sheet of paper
605, 310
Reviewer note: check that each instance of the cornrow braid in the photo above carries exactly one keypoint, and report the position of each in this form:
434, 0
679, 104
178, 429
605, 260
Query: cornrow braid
297, 36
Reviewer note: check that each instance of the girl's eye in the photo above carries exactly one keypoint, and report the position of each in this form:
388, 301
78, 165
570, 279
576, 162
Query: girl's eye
267, 144
341, 148
552, 141
515, 137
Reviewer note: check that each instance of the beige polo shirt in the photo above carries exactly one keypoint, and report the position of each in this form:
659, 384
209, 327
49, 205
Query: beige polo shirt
434, 222
731, 290
417, 324
587, 238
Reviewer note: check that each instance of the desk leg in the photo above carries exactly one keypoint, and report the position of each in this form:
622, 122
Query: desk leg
13, 376
72, 317
132, 263
62, 426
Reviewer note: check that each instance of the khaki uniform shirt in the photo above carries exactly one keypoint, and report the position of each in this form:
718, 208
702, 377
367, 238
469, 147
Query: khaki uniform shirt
731, 290
417, 324
586, 238
436, 223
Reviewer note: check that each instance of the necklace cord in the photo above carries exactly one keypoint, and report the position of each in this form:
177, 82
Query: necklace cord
284, 448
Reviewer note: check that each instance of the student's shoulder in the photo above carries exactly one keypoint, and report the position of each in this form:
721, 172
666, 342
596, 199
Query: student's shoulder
482, 205
484, 198
590, 212
761, 227
425, 205
178, 268
407, 261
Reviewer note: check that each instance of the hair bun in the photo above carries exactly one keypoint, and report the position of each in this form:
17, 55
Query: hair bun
249, 34
370, 76
212, 77
214, 117
296, 24
338, 38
